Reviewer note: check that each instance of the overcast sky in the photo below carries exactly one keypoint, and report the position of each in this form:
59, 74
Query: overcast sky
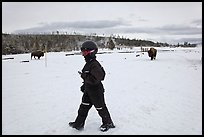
170, 22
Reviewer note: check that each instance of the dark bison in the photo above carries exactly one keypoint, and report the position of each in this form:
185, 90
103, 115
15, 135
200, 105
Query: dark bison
152, 52
37, 54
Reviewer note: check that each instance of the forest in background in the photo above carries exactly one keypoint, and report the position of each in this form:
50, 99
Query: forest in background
27, 43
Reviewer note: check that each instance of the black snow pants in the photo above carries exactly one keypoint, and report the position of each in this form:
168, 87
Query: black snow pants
95, 98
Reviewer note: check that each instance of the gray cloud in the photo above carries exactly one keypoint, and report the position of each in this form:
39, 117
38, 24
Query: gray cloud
167, 30
73, 25
194, 30
180, 30
197, 22
116, 26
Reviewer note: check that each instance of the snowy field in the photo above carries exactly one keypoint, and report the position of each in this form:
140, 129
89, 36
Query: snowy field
144, 97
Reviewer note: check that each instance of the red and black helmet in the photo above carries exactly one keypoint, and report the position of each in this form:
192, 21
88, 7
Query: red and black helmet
89, 47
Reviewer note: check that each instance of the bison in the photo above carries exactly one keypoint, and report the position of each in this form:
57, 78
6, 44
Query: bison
152, 52
37, 54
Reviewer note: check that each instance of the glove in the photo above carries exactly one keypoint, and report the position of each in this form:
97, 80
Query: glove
84, 74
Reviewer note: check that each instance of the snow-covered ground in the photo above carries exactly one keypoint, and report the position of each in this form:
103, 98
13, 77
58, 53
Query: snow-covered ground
144, 97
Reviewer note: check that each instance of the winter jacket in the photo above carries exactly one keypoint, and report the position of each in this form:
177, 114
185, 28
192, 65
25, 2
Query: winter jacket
92, 74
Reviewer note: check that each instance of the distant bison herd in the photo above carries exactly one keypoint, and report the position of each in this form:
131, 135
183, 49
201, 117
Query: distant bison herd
152, 52
37, 54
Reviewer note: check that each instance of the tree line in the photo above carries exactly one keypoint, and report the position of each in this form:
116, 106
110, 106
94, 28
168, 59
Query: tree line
27, 43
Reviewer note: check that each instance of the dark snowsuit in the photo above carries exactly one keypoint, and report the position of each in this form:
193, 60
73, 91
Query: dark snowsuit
93, 92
